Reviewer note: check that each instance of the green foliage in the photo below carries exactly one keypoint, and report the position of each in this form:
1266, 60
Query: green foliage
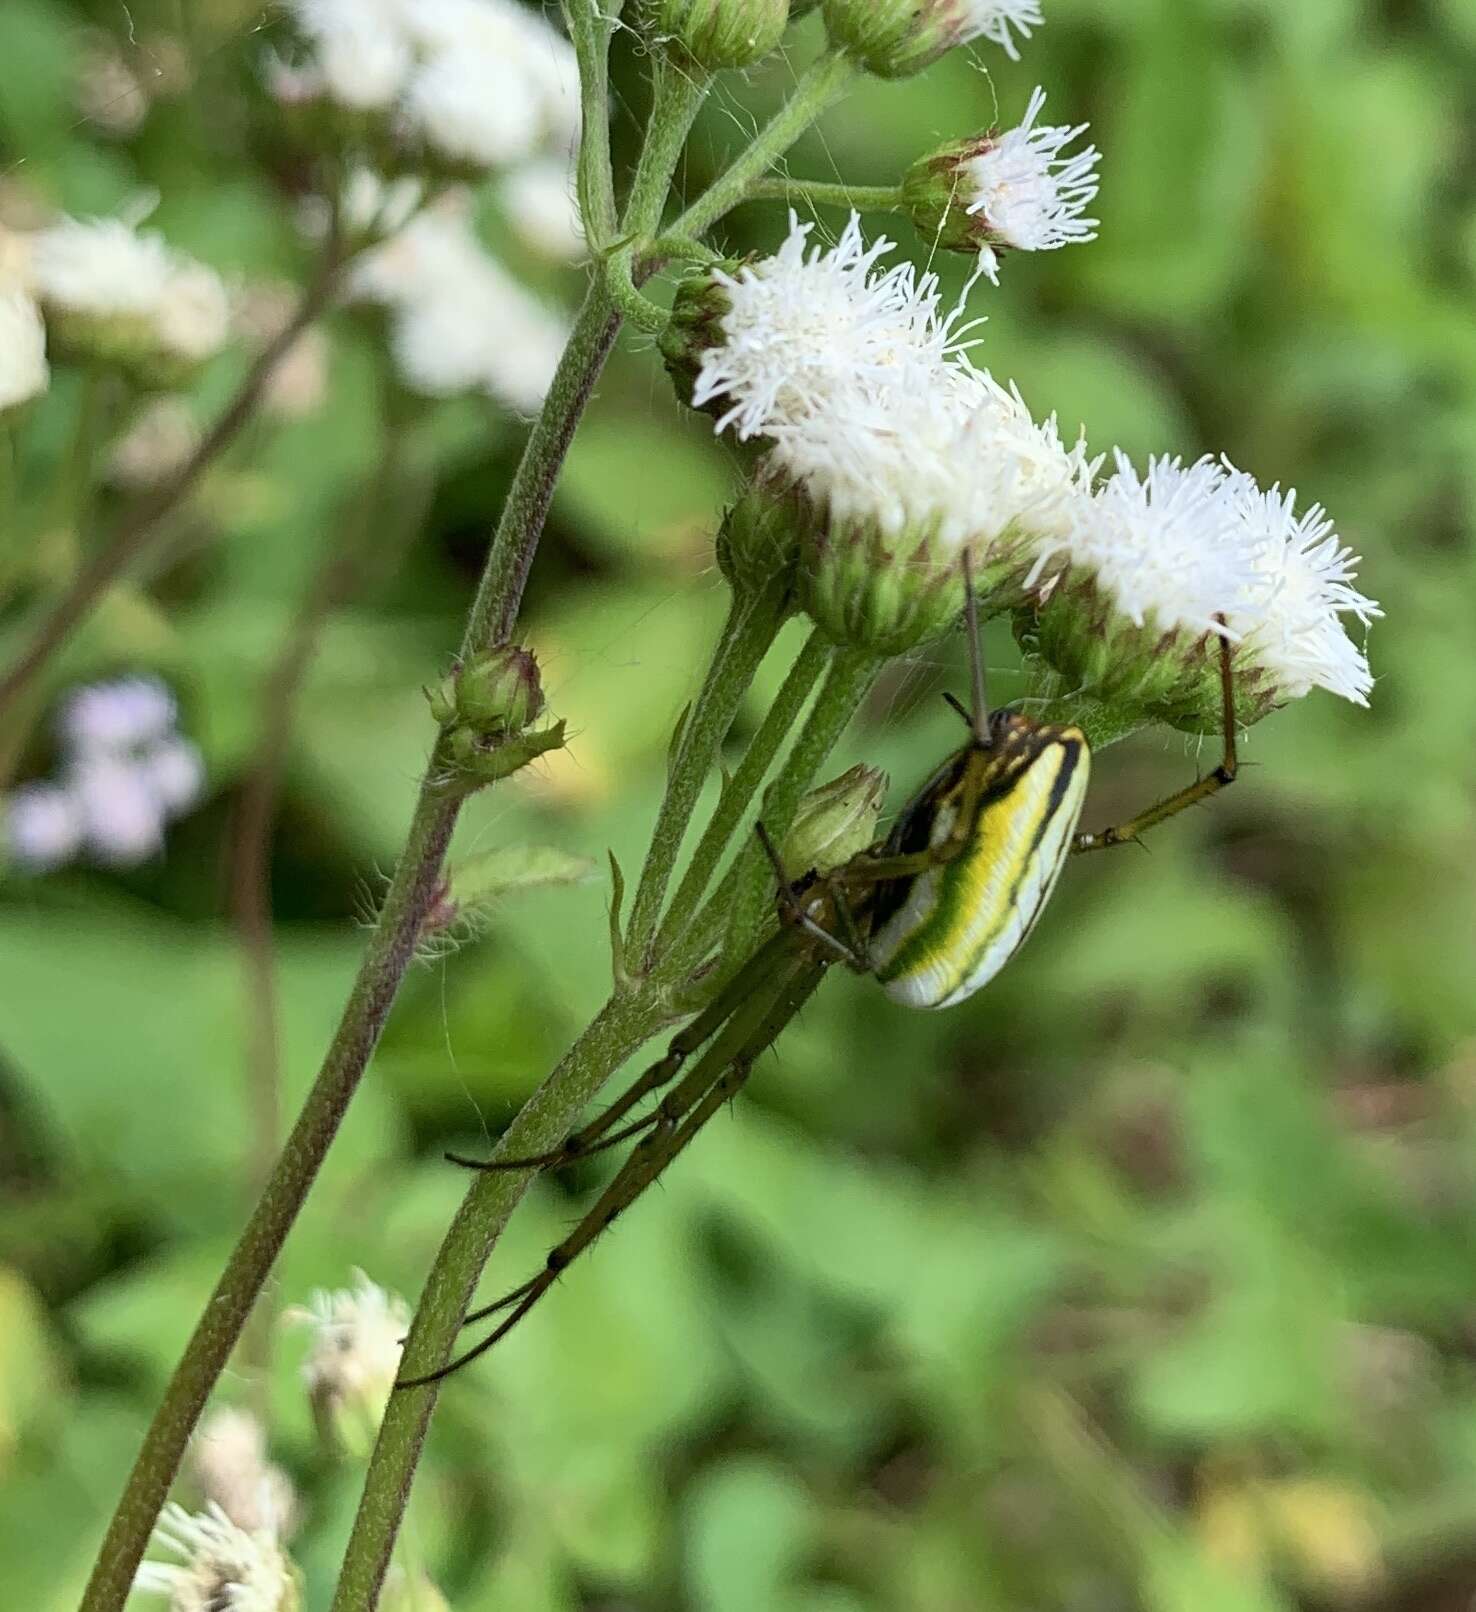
1141, 1280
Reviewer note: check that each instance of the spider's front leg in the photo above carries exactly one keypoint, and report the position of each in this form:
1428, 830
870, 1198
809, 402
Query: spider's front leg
1130, 832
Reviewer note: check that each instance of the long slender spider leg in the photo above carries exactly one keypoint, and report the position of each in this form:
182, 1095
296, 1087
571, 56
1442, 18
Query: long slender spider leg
851, 937
1221, 778
717, 1077
594, 1138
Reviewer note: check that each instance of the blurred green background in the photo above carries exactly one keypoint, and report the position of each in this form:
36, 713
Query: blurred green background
1145, 1280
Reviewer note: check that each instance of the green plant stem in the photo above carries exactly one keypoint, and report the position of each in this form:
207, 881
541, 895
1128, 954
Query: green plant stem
819, 87
590, 32
820, 193
851, 674
752, 625
741, 788
622, 1026
391, 948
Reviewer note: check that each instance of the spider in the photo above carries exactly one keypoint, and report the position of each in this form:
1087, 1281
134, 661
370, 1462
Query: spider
933, 911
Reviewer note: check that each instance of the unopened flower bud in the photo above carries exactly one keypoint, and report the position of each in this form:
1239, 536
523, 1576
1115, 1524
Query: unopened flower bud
492, 695
896, 38
701, 304
758, 542
481, 761
835, 822
719, 34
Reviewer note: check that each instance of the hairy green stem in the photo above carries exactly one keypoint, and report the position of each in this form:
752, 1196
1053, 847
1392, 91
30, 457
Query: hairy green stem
819, 87
622, 1026
590, 31
852, 672
752, 625
741, 788
820, 193
389, 953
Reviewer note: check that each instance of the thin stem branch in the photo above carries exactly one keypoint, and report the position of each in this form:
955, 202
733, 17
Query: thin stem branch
142, 526
823, 193
852, 672
618, 1030
739, 790
819, 87
590, 32
390, 950
752, 625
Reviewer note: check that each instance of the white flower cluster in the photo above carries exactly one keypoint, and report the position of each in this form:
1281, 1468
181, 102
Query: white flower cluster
477, 83
117, 292
870, 406
24, 373
220, 1567
459, 321
125, 773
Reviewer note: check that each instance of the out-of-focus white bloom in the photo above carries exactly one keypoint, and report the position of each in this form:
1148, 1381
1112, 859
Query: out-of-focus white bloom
123, 823
175, 773
220, 1567
411, 1592
110, 94
361, 54
23, 370
158, 441
126, 294
468, 122
43, 827
195, 313
353, 1355
1290, 623
298, 384
821, 334
124, 714
543, 207
460, 322
376, 207
228, 1456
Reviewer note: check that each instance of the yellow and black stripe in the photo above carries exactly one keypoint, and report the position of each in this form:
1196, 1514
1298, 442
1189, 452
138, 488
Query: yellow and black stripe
940, 935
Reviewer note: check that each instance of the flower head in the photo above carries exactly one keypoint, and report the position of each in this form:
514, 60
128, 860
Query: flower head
811, 333
542, 207
360, 54
125, 714
43, 827
228, 1456
23, 370
1017, 190
220, 1567
353, 1355
895, 38
1290, 622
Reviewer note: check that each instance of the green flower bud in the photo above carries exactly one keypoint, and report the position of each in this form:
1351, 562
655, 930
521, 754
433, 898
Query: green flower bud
701, 304
479, 760
719, 34
835, 822
495, 694
759, 540
936, 193
897, 38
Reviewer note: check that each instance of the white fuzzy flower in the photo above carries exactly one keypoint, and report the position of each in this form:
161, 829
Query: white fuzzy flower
452, 107
194, 315
1164, 548
1025, 193
994, 19
460, 322
819, 334
220, 1567
962, 462
1290, 618
354, 1352
228, 1456
23, 370
543, 208
42, 827
175, 772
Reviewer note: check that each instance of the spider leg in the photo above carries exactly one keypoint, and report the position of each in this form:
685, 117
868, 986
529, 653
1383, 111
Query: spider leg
718, 1076
1221, 778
